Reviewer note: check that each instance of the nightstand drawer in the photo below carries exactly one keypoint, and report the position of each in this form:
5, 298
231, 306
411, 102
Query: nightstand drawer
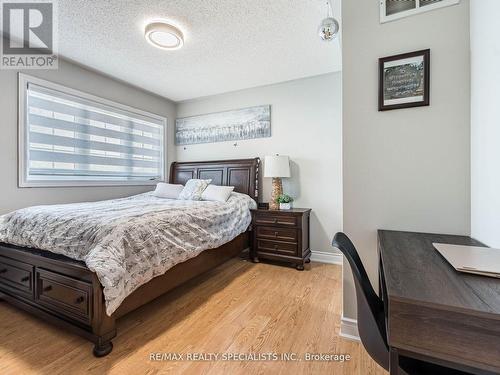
269, 219
277, 247
276, 233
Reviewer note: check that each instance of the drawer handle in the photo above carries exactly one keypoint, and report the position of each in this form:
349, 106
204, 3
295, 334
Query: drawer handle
48, 288
275, 247
3, 271
275, 234
24, 279
80, 300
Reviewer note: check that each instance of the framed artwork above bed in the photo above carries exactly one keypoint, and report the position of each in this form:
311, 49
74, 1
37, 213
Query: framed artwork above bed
239, 124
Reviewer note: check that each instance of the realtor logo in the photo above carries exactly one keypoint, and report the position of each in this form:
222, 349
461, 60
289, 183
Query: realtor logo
28, 34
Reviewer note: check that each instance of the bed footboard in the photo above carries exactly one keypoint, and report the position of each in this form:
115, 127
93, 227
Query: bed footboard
59, 290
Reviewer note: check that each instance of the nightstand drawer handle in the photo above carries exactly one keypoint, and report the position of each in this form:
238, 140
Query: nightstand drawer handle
275, 234
275, 247
48, 288
275, 221
79, 300
24, 279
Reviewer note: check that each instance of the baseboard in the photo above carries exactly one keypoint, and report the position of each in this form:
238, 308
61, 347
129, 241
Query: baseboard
323, 257
349, 329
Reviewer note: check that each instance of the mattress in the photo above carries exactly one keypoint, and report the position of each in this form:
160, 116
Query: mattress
128, 241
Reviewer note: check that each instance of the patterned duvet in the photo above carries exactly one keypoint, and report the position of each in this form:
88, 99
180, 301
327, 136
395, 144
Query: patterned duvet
128, 241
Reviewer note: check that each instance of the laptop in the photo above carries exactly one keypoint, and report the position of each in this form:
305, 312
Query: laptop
483, 261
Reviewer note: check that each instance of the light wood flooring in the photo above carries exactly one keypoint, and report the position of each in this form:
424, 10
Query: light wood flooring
239, 307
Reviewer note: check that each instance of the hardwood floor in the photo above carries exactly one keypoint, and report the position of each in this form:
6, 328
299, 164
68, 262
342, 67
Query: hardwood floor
238, 308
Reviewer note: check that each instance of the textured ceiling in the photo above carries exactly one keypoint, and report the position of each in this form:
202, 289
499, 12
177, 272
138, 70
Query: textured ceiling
229, 44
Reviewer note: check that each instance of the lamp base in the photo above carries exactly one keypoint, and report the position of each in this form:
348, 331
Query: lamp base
277, 191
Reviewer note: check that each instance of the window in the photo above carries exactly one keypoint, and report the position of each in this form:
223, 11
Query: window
69, 138
394, 9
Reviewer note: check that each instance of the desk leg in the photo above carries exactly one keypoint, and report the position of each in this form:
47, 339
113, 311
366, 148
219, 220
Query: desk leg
394, 362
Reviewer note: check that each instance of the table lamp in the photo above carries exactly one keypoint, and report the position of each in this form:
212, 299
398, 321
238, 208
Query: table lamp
276, 166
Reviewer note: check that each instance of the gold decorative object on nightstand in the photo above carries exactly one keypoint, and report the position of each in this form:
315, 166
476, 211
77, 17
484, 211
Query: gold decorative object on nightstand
276, 166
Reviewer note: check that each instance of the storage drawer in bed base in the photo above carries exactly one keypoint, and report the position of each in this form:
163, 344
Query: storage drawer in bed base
57, 289
16, 277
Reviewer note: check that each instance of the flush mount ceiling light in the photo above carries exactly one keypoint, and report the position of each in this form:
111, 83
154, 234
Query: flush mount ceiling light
163, 35
329, 27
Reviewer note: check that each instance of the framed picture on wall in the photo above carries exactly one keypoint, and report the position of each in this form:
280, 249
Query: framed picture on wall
404, 80
239, 124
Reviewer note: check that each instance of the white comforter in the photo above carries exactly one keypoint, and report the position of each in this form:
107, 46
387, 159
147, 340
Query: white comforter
128, 241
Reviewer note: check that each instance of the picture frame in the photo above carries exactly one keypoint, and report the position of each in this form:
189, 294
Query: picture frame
233, 125
404, 80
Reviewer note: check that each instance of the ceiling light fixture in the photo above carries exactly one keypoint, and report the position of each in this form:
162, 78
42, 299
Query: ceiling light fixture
163, 35
329, 27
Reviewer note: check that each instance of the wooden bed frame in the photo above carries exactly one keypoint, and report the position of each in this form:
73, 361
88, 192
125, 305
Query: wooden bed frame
65, 292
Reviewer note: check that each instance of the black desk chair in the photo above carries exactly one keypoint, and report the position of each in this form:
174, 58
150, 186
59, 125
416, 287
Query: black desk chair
371, 318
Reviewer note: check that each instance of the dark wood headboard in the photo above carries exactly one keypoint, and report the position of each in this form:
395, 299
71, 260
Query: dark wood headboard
243, 174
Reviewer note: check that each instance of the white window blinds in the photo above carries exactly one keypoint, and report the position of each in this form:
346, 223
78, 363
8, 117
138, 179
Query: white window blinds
69, 138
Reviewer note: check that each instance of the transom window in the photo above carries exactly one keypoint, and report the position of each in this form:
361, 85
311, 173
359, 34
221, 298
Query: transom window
391, 10
69, 138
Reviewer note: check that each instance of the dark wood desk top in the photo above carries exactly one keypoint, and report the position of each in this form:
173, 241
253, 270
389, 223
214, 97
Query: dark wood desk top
435, 312
414, 270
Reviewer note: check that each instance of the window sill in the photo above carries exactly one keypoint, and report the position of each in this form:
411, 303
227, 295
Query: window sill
52, 184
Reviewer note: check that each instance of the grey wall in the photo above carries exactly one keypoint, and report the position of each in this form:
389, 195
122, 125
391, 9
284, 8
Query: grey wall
406, 169
306, 125
71, 75
485, 124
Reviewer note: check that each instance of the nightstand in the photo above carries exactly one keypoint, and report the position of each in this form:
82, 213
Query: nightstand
281, 235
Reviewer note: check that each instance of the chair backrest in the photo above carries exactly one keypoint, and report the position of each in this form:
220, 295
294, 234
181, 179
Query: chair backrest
371, 316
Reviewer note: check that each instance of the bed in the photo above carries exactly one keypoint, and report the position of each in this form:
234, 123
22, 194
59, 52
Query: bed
66, 292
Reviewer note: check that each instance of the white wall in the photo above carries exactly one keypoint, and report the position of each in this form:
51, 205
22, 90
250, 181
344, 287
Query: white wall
71, 75
306, 125
405, 169
485, 124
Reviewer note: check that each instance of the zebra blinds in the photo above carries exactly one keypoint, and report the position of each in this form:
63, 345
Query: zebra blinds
69, 138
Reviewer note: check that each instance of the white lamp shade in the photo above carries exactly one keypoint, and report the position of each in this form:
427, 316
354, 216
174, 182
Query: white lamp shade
276, 166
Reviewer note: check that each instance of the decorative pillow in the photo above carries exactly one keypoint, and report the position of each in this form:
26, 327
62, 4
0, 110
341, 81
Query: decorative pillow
193, 189
217, 193
169, 191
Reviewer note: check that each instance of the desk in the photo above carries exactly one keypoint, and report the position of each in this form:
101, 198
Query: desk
433, 312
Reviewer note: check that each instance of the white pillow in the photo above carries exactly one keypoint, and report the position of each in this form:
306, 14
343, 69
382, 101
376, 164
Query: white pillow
193, 189
169, 191
217, 193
